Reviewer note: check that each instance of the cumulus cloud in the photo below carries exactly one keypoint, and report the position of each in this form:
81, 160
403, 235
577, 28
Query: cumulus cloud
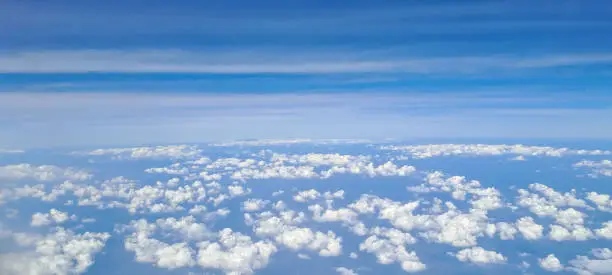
306, 195
252, 205
479, 255
602, 264
54, 216
235, 253
162, 254
61, 252
550, 263
598, 168
529, 228
605, 231
602, 201
42, 173
388, 252
283, 230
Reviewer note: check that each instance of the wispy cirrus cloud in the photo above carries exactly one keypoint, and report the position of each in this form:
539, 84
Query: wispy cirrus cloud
268, 61
57, 119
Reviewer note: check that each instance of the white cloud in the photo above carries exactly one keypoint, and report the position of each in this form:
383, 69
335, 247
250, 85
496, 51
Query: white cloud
387, 252
238, 191
605, 231
598, 168
164, 255
283, 230
602, 264
60, 253
345, 271
529, 229
171, 151
436, 150
479, 255
306, 195
252, 205
273, 142
603, 201
576, 233
550, 263
506, 230
54, 216
235, 253
42, 173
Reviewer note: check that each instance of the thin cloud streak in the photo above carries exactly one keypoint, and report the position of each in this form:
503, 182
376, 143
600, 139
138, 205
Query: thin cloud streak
83, 119
172, 61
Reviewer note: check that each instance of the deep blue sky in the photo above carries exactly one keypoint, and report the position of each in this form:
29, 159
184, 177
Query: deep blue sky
553, 50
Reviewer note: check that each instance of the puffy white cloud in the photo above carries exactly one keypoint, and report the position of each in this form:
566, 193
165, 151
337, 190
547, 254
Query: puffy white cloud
602, 264
42, 173
164, 255
171, 151
457, 229
436, 150
345, 271
602, 201
238, 190
387, 252
252, 205
460, 188
479, 255
60, 253
605, 231
345, 215
576, 233
353, 255
548, 201
529, 228
283, 230
506, 230
54, 216
550, 263
235, 253
306, 195
598, 168
185, 227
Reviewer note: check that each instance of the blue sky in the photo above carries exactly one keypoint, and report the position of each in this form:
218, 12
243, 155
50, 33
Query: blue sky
542, 68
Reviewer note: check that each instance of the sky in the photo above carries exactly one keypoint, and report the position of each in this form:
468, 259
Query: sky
85, 73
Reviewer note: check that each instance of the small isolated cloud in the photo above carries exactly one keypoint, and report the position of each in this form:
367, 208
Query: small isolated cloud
479, 255
345, 271
550, 263
252, 205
